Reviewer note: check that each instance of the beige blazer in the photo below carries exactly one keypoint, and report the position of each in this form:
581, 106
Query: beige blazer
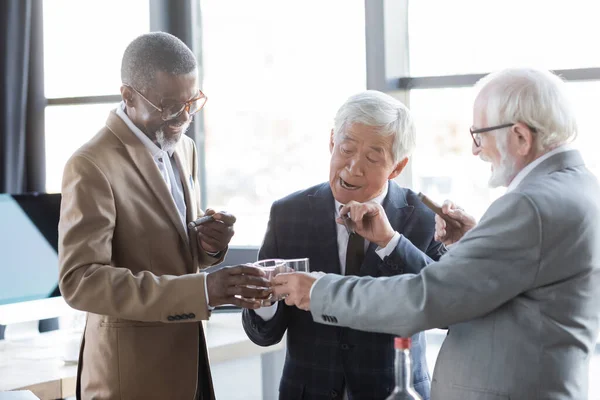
126, 259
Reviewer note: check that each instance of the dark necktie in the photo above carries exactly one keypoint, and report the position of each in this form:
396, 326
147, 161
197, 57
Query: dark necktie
355, 254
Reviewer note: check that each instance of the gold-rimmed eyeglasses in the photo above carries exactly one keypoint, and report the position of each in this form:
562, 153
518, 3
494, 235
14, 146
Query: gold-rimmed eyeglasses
172, 111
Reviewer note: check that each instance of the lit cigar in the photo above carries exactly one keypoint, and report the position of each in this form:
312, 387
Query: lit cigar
200, 221
433, 206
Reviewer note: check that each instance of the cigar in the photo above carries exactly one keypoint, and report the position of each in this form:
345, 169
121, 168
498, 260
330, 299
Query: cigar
433, 206
200, 221
348, 223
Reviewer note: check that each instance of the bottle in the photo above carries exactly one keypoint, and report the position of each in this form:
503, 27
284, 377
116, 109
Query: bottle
404, 389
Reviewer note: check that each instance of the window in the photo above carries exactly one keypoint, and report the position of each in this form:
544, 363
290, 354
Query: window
586, 97
472, 36
443, 164
68, 128
83, 46
275, 74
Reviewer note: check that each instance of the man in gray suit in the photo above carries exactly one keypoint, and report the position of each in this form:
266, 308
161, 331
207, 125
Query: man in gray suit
520, 291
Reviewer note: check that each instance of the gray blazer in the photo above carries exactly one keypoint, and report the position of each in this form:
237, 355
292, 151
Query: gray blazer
520, 293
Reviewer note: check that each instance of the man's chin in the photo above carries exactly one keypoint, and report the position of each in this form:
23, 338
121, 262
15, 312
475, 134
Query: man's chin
498, 179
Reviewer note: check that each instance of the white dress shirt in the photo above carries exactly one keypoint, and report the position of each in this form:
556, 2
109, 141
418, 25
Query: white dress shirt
266, 313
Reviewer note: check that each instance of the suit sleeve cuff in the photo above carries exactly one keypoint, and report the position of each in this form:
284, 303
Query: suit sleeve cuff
383, 252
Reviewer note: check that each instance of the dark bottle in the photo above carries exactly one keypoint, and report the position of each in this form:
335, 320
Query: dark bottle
404, 389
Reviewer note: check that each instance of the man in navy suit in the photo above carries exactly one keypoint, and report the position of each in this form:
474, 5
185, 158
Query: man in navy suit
372, 139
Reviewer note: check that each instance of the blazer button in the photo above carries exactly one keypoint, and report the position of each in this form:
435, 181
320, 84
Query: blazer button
184, 316
345, 346
178, 317
333, 394
170, 318
191, 315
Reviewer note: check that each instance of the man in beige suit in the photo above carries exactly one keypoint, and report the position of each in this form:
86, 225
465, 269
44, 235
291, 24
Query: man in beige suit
126, 255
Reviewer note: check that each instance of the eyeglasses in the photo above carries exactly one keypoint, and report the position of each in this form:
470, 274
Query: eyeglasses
173, 111
476, 133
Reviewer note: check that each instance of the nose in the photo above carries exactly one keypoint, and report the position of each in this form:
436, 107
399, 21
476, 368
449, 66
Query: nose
181, 118
475, 149
354, 166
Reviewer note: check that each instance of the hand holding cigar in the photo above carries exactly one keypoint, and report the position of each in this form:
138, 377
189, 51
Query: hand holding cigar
200, 221
451, 222
214, 230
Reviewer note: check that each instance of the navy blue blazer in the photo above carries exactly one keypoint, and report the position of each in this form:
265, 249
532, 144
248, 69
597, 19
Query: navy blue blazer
321, 360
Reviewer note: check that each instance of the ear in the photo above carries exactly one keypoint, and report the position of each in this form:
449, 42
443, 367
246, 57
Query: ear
127, 95
398, 168
524, 139
331, 141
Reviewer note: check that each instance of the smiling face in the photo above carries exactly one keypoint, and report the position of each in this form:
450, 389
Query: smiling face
167, 90
361, 164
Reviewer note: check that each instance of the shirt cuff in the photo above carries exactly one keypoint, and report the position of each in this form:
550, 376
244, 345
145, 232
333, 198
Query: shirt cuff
206, 292
267, 313
383, 252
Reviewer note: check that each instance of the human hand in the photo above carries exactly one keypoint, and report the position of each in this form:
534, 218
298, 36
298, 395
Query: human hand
214, 236
243, 285
449, 233
295, 287
369, 221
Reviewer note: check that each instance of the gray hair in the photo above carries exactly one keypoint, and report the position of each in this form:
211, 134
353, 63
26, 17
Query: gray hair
152, 52
377, 109
533, 97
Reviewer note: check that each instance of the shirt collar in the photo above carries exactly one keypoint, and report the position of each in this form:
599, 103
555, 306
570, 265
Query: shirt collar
150, 145
378, 200
529, 167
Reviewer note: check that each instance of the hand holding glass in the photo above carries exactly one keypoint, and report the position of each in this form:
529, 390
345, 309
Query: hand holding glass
272, 267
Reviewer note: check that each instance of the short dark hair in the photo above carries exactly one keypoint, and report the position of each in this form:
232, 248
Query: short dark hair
152, 52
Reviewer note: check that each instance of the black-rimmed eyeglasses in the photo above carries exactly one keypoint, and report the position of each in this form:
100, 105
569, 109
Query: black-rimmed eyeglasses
173, 111
476, 133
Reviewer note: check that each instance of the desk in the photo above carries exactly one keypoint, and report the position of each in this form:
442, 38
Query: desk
36, 364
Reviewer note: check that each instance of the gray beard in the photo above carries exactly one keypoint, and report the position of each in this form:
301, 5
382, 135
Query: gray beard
168, 144
503, 175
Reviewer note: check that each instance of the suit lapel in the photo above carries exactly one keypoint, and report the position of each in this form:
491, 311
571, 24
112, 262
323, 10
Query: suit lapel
398, 212
148, 170
324, 230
